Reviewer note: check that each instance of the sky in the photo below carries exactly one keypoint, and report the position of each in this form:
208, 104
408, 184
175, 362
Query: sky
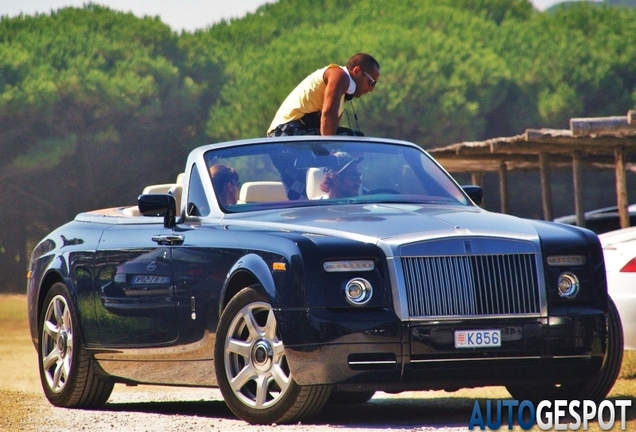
188, 15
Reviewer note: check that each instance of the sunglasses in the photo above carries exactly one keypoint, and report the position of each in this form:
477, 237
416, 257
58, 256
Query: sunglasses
353, 175
372, 82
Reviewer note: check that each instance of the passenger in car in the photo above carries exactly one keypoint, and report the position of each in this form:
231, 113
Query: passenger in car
225, 181
344, 179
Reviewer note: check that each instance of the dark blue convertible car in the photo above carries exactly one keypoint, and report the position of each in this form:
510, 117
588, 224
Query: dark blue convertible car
293, 272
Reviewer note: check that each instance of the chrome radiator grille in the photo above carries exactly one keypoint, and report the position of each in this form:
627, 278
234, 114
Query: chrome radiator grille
471, 285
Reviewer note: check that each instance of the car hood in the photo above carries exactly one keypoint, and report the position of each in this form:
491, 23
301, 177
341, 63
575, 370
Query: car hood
388, 222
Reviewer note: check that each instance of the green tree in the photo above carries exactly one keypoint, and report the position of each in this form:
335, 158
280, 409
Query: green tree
438, 81
95, 104
87, 98
628, 3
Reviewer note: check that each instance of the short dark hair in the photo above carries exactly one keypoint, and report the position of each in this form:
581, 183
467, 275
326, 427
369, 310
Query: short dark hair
222, 174
365, 61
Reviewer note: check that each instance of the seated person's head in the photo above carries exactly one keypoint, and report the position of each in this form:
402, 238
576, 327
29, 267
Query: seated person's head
344, 179
225, 181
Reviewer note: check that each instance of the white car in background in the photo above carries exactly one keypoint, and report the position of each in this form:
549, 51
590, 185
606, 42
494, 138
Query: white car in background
619, 249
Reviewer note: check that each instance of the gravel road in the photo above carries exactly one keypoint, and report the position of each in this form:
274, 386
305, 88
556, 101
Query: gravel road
145, 409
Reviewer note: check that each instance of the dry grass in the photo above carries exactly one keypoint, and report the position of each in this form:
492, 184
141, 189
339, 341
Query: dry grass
18, 361
628, 369
18, 358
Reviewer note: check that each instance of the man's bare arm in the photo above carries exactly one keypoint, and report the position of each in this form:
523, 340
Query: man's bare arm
337, 82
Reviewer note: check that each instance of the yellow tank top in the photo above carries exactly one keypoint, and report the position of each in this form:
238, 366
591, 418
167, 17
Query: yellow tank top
307, 97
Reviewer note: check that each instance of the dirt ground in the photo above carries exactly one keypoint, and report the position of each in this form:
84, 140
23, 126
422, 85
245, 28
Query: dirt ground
23, 406
170, 409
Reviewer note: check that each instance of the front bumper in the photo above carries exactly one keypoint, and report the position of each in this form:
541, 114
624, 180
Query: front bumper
391, 355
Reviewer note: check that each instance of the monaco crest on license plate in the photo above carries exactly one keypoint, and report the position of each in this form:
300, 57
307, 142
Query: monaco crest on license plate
477, 338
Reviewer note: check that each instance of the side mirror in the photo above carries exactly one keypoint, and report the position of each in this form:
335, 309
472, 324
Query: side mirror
159, 205
475, 193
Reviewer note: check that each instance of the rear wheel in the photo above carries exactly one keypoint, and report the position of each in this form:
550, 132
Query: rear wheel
594, 388
252, 369
69, 375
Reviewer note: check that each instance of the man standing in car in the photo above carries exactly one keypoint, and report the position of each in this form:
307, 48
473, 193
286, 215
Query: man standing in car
315, 106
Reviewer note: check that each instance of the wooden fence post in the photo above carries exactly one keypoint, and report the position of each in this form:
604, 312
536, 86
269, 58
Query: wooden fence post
621, 186
578, 189
546, 186
503, 187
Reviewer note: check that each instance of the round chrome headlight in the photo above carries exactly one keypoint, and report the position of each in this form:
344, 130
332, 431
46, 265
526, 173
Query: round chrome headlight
568, 285
358, 291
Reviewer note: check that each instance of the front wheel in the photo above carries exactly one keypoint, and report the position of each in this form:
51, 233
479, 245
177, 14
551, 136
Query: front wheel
69, 375
593, 388
251, 366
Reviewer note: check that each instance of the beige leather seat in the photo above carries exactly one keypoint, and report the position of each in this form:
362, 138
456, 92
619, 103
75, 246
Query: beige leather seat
177, 190
174, 189
314, 178
157, 189
262, 191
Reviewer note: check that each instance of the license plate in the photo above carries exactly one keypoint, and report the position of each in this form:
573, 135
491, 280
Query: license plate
150, 280
477, 338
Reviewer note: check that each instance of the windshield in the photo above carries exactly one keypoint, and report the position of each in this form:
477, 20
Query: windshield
309, 173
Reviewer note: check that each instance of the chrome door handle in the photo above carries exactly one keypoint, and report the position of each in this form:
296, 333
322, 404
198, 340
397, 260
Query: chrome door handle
169, 239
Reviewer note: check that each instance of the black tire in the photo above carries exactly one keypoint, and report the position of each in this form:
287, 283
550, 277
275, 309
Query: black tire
596, 387
249, 347
70, 377
339, 397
